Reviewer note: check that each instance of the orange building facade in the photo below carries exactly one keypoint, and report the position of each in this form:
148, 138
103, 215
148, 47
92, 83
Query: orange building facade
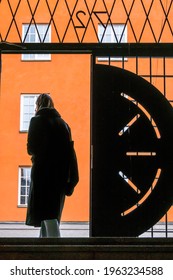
67, 78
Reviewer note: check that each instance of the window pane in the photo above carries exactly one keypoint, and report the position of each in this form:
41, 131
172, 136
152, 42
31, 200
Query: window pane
23, 182
25, 126
23, 191
22, 200
113, 33
26, 117
24, 185
39, 33
27, 110
32, 28
32, 38
28, 189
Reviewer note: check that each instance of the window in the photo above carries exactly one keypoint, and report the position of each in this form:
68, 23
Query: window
113, 33
24, 185
27, 110
39, 33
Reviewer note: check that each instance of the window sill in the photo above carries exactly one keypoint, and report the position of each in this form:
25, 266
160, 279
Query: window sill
23, 131
36, 60
116, 59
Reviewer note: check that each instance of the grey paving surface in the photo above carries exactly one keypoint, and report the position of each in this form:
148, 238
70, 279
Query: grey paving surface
74, 229
69, 229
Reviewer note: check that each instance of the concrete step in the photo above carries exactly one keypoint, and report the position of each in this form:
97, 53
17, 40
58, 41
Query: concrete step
86, 248
18, 241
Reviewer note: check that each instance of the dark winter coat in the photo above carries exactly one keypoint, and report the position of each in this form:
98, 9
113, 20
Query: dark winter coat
48, 143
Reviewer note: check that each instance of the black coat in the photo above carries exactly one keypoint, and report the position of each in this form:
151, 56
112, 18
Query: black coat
48, 143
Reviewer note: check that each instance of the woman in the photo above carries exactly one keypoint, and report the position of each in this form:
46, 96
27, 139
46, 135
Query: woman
48, 144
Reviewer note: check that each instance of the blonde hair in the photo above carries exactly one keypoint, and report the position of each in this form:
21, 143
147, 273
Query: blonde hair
44, 100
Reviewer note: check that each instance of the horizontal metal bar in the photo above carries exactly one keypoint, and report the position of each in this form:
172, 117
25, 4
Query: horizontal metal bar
98, 49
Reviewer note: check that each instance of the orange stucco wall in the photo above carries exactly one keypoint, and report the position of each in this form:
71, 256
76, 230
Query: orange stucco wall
67, 79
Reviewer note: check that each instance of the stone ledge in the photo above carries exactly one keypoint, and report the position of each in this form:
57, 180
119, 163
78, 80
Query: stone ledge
86, 248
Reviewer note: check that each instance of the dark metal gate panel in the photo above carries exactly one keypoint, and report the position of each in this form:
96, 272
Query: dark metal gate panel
132, 153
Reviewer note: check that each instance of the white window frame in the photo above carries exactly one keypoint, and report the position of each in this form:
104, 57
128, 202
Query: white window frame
34, 38
25, 187
22, 103
111, 30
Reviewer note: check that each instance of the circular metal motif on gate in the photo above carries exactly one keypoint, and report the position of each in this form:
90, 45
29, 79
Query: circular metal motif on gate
133, 153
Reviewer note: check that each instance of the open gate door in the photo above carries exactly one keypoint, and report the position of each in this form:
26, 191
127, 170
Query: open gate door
132, 146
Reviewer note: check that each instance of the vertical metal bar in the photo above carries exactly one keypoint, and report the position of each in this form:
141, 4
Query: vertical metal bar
137, 65
109, 60
0, 70
123, 64
166, 225
164, 76
92, 62
150, 75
